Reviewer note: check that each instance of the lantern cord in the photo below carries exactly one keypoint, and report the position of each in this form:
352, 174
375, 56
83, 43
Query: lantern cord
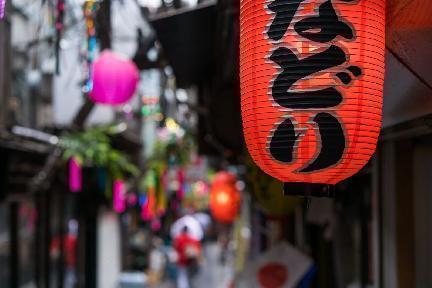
402, 61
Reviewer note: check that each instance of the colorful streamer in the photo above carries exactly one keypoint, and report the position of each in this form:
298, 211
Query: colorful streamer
90, 8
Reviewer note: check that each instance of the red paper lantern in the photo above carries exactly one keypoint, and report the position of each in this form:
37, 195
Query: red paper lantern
224, 202
114, 79
224, 178
312, 77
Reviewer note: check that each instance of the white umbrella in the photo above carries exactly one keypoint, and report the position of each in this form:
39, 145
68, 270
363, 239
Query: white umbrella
194, 227
203, 218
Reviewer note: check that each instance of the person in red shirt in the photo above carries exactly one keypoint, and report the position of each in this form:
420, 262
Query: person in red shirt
188, 252
70, 242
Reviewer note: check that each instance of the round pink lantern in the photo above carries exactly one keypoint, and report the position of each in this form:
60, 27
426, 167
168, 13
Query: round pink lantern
114, 79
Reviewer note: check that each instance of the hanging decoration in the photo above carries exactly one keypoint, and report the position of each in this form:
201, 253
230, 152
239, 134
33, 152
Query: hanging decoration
90, 8
224, 199
145, 212
2, 9
197, 196
93, 148
114, 79
155, 203
75, 175
150, 106
312, 77
161, 194
224, 178
225, 203
119, 196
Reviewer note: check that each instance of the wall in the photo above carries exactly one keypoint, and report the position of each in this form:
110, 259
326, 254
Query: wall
109, 250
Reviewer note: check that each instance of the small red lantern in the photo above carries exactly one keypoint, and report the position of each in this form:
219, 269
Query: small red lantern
225, 178
114, 79
224, 202
312, 76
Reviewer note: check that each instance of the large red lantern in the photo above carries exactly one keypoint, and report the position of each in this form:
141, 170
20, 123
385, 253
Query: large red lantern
114, 79
312, 77
224, 202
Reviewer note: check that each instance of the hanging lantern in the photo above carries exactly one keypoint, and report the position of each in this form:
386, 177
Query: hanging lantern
114, 79
312, 77
119, 196
225, 178
224, 202
145, 212
75, 175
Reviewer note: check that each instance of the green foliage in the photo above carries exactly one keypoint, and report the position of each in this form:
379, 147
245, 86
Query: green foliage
93, 148
174, 151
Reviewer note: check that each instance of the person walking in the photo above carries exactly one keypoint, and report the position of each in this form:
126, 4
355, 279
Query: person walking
188, 257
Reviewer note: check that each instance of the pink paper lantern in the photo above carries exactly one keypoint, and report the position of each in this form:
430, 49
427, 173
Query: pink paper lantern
75, 175
114, 79
119, 196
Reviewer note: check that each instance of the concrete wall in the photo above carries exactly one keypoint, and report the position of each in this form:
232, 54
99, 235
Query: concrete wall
109, 250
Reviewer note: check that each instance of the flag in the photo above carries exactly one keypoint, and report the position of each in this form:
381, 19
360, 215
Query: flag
283, 266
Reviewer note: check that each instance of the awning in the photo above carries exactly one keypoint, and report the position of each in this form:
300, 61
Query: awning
408, 92
188, 39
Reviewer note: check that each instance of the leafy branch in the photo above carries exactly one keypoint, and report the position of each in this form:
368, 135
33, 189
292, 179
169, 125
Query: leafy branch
93, 148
